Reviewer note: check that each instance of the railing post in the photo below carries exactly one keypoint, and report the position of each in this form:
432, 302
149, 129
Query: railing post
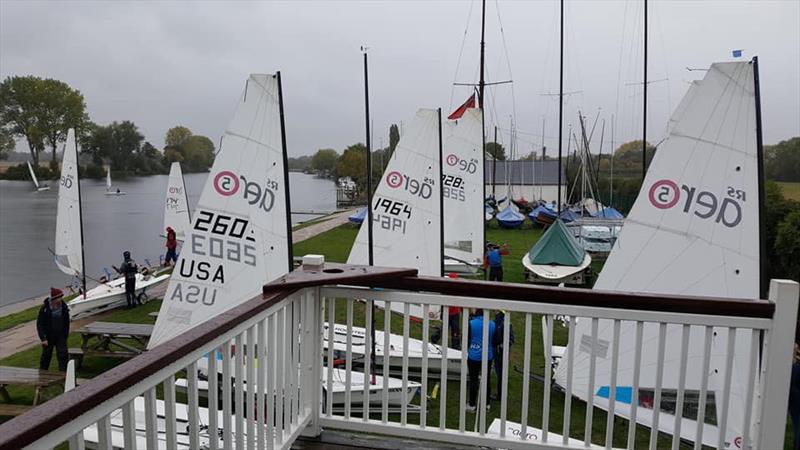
314, 346
776, 367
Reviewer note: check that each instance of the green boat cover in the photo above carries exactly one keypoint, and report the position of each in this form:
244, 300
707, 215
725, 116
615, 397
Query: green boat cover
557, 246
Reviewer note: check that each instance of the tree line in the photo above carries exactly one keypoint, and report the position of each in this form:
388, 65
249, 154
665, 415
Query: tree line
40, 111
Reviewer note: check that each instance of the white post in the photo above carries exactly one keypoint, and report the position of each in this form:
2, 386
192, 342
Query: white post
777, 364
313, 323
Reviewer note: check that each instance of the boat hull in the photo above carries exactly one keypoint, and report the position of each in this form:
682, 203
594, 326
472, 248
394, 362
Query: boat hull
555, 274
111, 294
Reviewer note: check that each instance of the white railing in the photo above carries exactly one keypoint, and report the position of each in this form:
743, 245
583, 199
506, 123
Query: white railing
293, 374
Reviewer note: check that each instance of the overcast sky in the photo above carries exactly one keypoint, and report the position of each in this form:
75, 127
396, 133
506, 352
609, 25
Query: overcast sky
161, 64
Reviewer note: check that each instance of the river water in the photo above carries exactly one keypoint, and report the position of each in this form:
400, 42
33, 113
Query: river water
111, 225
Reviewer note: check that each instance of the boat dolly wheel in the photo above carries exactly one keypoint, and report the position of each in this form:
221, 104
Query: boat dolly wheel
142, 298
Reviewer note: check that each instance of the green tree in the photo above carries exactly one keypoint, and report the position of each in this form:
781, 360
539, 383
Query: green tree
118, 142
496, 151
787, 245
198, 153
324, 161
353, 164
782, 161
177, 136
7, 143
41, 111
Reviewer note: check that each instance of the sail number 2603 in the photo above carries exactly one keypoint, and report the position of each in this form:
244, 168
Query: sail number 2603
223, 247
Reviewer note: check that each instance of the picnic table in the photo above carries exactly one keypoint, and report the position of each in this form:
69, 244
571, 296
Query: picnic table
40, 379
106, 339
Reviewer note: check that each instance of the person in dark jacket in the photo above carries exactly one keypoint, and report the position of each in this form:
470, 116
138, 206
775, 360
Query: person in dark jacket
499, 325
52, 325
172, 246
475, 352
128, 269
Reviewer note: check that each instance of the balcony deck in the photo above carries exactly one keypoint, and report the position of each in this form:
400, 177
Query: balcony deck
134, 405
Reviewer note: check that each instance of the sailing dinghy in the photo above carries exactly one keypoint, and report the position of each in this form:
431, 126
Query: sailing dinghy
109, 189
39, 188
556, 258
176, 203
693, 230
69, 245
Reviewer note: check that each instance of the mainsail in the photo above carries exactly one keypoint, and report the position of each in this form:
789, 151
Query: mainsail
33, 175
406, 210
693, 230
68, 251
238, 240
176, 203
463, 188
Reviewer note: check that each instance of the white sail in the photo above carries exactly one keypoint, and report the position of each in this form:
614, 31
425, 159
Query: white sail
33, 175
108, 178
405, 206
693, 230
176, 205
68, 252
238, 239
463, 188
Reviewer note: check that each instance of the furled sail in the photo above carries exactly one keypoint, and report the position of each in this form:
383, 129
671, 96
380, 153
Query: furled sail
463, 188
33, 175
238, 240
176, 204
68, 252
694, 230
405, 206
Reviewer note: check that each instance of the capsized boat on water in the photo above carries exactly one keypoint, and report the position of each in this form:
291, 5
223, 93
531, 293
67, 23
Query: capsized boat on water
39, 187
556, 258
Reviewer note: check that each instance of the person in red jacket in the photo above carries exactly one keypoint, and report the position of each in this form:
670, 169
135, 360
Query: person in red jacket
172, 246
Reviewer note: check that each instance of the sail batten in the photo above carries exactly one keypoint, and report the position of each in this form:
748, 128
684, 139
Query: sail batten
68, 247
693, 230
238, 239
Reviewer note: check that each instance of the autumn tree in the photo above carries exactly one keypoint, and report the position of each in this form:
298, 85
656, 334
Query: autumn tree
324, 161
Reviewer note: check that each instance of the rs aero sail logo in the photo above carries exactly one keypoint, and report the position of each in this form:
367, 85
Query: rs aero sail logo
397, 180
227, 184
721, 208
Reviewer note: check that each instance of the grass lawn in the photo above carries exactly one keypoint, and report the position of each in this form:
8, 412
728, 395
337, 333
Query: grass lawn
791, 191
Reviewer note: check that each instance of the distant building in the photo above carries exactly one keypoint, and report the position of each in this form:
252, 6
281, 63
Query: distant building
533, 180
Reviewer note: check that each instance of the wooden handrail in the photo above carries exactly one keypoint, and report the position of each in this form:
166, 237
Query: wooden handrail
542, 294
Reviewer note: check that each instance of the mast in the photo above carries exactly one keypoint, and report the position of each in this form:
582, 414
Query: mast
369, 164
494, 165
644, 102
541, 164
370, 252
290, 256
611, 179
80, 216
441, 198
763, 282
481, 85
560, 104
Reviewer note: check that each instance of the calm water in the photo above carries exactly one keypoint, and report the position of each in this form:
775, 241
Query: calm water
111, 225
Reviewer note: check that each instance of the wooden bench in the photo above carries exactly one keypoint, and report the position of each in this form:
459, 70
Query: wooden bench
76, 353
7, 409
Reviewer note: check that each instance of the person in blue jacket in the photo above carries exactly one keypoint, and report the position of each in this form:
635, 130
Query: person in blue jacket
495, 262
52, 326
474, 358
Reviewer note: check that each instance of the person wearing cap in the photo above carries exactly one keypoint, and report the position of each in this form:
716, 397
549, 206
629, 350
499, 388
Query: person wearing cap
172, 246
52, 326
128, 269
